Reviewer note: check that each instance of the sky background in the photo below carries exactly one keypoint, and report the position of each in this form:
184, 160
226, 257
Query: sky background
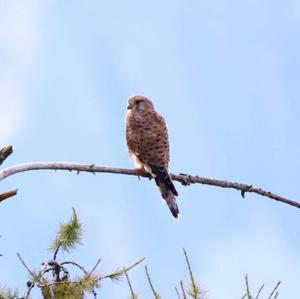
224, 74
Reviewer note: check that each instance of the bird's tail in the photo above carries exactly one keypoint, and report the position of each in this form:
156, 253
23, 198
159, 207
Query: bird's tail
166, 188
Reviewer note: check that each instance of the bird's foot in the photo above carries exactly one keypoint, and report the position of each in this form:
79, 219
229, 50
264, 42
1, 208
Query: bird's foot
142, 172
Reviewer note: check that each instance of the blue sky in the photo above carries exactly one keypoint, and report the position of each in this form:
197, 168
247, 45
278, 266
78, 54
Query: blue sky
224, 74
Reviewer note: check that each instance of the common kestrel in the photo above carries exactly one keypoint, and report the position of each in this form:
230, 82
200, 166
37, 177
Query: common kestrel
148, 146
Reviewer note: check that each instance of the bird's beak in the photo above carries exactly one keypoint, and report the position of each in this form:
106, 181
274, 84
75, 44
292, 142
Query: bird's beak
129, 106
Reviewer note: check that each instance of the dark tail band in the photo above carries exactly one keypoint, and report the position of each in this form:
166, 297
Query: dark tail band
166, 188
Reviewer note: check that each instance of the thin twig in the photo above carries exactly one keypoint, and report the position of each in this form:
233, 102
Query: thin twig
177, 292
185, 179
126, 269
5, 152
56, 251
183, 290
259, 291
30, 285
84, 271
8, 194
135, 264
130, 286
156, 295
75, 264
247, 287
24, 264
194, 285
274, 290
94, 268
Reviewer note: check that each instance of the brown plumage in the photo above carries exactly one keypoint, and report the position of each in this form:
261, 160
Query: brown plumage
148, 145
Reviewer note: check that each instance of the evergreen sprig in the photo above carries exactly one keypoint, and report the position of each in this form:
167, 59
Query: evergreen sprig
68, 236
7, 293
194, 291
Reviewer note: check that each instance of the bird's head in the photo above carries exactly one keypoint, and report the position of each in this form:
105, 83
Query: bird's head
139, 103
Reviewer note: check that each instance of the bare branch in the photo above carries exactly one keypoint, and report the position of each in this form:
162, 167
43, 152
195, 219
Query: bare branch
247, 287
24, 264
156, 295
8, 194
75, 264
177, 292
183, 290
56, 251
184, 179
274, 290
30, 286
193, 282
133, 295
94, 268
124, 269
5, 152
259, 291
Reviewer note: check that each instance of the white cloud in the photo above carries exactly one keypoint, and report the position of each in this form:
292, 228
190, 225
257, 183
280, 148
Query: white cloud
19, 48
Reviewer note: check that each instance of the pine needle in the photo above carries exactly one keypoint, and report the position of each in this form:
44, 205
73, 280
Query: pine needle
68, 236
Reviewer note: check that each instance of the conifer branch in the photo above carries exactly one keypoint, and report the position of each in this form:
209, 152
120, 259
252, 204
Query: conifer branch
76, 265
56, 250
119, 273
247, 288
177, 293
68, 236
259, 291
156, 295
132, 293
183, 290
30, 286
274, 290
32, 274
94, 268
184, 179
248, 295
194, 290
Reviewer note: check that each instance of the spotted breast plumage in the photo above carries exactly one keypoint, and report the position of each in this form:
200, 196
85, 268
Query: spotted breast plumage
148, 146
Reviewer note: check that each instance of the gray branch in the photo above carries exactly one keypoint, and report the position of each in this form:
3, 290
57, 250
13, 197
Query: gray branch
184, 179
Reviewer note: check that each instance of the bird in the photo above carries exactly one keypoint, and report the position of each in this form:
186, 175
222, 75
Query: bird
148, 146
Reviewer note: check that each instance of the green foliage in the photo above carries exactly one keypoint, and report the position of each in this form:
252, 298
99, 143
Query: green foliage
133, 295
63, 291
89, 282
70, 289
156, 295
194, 291
68, 235
55, 281
35, 276
54, 278
116, 275
7, 293
274, 293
